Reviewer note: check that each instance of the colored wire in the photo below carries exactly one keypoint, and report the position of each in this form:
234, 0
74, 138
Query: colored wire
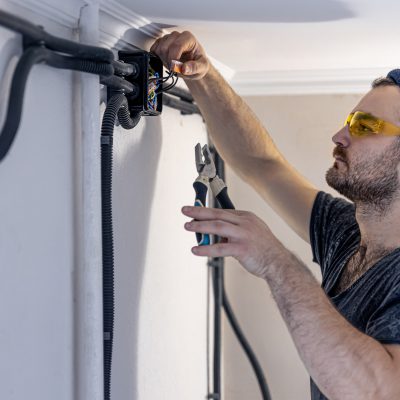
170, 86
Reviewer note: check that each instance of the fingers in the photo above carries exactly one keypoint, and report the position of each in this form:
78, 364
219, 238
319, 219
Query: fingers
182, 47
219, 228
195, 68
205, 213
161, 47
216, 250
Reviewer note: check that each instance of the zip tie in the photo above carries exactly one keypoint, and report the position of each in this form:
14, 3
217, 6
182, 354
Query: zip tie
214, 263
105, 139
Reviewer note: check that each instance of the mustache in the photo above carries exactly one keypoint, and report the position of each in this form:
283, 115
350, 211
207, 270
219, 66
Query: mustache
340, 152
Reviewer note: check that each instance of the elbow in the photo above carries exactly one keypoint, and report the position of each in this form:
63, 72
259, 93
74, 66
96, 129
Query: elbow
378, 390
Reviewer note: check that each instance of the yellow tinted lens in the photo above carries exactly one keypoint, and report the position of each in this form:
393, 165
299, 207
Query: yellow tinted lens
348, 119
362, 124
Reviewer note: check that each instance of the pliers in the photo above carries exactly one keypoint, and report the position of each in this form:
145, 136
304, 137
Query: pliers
208, 177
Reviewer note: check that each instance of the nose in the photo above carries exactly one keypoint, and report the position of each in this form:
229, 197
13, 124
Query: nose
342, 137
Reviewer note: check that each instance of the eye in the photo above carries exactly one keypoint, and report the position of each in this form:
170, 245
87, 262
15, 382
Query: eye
365, 128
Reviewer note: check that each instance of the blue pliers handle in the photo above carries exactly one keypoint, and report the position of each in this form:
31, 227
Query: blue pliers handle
201, 188
207, 171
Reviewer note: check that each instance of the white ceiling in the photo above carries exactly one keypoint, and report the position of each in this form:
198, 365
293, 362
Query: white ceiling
289, 45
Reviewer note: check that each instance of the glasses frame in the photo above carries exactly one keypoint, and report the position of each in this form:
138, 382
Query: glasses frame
382, 127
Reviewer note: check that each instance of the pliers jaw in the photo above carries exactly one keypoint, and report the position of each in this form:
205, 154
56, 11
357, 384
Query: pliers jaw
205, 167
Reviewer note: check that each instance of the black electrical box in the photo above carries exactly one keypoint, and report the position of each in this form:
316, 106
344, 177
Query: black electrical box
148, 79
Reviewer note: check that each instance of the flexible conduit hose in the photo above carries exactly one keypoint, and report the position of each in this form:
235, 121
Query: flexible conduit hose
218, 289
32, 56
117, 106
262, 382
34, 34
219, 286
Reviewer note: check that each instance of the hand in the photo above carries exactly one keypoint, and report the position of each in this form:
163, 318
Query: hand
247, 237
183, 47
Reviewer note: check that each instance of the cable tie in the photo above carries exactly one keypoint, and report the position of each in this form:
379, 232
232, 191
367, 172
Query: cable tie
106, 336
215, 396
214, 263
106, 139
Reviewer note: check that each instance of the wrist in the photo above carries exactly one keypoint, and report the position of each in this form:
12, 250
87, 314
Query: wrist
277, 261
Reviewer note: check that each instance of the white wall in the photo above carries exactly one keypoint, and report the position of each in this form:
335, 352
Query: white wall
37, 232
161, 288
301, 127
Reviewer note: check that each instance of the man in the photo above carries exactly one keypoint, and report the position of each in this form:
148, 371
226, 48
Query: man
347, 332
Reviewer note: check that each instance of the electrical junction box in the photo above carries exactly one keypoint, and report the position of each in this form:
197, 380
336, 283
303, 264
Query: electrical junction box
148, 79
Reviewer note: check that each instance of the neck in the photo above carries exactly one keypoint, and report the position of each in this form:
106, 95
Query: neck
379, 226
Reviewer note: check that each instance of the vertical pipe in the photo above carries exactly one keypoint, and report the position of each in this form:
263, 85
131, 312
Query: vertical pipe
88, 347
218, 285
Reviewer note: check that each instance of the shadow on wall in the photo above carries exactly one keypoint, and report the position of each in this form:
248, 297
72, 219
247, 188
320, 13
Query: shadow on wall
8, 60
134, 182
247, 11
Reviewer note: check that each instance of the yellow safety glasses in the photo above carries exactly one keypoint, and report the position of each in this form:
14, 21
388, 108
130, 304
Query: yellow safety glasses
363, 124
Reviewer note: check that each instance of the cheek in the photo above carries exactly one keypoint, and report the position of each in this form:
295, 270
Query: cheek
364, 150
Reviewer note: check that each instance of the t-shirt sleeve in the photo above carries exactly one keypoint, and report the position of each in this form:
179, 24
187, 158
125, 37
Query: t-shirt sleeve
332, 223
384, 324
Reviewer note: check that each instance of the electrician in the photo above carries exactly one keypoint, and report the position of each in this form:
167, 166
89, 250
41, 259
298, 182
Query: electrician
347, 332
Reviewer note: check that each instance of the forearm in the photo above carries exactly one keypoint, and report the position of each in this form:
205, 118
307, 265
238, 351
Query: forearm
235, 130
343, 362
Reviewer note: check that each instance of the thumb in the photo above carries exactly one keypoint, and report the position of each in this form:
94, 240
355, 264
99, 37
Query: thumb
196, 68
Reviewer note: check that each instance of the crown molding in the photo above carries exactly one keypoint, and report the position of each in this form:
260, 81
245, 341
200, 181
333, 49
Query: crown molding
121, 28
65, 14
116, 21
319, 81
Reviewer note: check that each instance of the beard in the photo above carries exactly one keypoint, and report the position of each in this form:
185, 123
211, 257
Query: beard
370, 180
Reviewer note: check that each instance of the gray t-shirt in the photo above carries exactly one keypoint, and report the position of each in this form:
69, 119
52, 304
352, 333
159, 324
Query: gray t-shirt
372, 303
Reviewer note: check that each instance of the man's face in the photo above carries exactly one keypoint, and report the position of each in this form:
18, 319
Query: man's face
366, 168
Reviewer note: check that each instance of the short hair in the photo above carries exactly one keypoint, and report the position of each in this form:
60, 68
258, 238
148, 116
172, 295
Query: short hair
383, 81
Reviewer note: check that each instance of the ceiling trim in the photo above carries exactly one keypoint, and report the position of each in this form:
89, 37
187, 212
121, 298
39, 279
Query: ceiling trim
65, 14
116, 20
323, 81
127, 17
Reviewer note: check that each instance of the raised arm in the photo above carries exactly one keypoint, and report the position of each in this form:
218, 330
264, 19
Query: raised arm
238, 135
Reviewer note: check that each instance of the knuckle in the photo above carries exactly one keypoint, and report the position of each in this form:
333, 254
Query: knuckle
241, 213
187, 33
174, 50
163, 49
216, 213
175, 46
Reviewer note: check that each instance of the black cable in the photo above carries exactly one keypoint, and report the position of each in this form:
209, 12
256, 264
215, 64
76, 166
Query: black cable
162, 80
218, 302
117, 106
37, 35
32, 56
182, 94
124, 69
125, 119
226, 203
183, 106
118, 83
246, 347
170, 86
